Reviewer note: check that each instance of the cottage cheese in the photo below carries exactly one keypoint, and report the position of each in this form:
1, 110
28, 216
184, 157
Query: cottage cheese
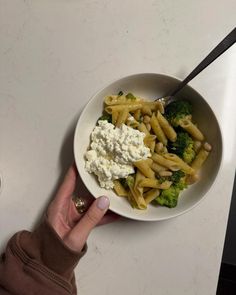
112, 152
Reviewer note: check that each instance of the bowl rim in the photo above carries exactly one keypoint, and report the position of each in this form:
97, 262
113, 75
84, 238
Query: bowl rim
140, 218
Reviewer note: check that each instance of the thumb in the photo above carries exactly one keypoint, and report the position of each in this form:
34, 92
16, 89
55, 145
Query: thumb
79, 234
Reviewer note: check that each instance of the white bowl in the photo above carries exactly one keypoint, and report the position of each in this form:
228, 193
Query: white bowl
150, 86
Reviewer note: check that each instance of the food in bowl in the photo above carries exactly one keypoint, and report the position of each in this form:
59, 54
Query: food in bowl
146, 152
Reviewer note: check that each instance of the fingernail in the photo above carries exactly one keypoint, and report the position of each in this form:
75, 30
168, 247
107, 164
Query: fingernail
103, 203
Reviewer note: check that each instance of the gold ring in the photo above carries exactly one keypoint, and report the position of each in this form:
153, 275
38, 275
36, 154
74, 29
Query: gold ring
79, 205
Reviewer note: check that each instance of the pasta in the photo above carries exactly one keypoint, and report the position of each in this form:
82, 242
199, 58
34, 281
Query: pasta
137, 194
119, 189
192, 129
151, 195
168, 168
122, 117
158, 168
166, 127
200, 159
170, 164
117, 108
142, 128
157, 130
114, 117
182, 165
144, 167
154, 183
137, 114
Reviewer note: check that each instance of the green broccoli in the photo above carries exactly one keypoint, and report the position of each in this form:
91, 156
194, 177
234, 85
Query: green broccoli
106, 117
169, 197
130, 96
183, 147
130, 181
123, 182
176, 176
127, 182
178, 110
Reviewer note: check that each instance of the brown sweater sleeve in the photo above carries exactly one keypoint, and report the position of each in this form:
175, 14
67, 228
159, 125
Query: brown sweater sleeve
38, 263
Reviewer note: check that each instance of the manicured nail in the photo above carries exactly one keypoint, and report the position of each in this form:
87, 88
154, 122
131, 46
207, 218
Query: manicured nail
103, 203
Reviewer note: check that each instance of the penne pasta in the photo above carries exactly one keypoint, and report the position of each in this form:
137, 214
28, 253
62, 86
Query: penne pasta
143, 128
119, 189
192, 129
183, 166
158, 168
149, 141
154, 183
172, 165
131, 107
149, 138
144, 167
114, 117
139, 190
141, 204
139, 176
199, 159
119, 99
166, 127
122, 117
114, 99
146, 189
149, 161
137, 114
157, 130
137, 194
132, 200
151, 195
154, 105
152, 146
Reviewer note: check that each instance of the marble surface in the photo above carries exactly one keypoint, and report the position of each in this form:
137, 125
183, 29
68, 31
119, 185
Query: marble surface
53, 56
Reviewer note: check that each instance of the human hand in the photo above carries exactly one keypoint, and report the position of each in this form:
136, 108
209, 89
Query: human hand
72, 227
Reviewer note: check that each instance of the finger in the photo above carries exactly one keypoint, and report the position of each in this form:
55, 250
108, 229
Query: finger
109, 217
68, 185
79, 234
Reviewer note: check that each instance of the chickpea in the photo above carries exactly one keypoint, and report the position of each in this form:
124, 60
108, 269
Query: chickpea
207, 147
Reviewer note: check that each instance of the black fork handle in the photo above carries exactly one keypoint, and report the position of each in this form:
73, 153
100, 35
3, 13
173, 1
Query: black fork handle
228, 41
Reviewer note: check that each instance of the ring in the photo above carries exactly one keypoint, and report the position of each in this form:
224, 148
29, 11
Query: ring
79, 205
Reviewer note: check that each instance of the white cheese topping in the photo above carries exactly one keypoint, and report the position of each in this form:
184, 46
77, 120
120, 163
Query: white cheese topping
112, 152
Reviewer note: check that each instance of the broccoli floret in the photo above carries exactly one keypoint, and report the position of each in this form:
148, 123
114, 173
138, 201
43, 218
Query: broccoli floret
176, 176
178, 110
127, 182
169, 197
120, 93
181, 185
106, 117
130, 181
130, 96
123, 182
183, 147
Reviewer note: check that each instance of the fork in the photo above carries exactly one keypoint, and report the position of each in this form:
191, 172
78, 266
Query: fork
225, 44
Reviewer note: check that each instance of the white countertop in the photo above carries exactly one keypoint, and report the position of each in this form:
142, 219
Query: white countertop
53, 56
